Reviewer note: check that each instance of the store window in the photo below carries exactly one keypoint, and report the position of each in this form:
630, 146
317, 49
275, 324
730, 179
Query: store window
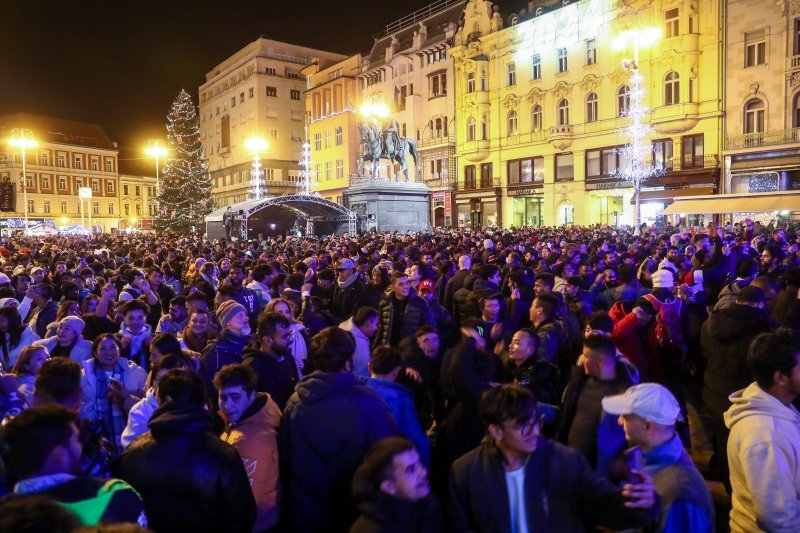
565, 167
526, 211
566, 215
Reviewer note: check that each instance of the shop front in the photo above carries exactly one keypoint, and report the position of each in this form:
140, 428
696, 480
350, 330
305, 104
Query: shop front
608, 202
442, 208
474, 213
527, 207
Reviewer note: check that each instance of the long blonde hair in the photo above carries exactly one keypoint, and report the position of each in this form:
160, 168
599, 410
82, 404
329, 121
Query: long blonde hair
270, 307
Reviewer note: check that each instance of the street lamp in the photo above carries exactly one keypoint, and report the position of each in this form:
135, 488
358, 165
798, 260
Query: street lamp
22, 138
155, 148
637, 153
258, 188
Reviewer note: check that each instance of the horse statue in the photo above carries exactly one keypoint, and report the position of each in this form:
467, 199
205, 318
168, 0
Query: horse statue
387, 146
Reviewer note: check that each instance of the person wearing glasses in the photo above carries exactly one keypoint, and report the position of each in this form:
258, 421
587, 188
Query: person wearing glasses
519, 481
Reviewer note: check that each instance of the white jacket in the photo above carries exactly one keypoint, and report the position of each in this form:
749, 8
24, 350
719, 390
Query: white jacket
134, 380
27, 338
80, 352
764, 459
361, 355
139, 416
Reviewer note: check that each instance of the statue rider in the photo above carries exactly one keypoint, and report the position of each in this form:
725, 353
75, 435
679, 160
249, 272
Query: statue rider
391, 138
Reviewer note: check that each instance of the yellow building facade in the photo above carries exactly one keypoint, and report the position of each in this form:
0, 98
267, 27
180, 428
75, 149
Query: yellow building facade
541, 98
332, 98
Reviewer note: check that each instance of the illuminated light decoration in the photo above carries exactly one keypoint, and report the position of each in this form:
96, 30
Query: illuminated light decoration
561, 28
304, 185
335, 113
762, 182
637, 153
258, 187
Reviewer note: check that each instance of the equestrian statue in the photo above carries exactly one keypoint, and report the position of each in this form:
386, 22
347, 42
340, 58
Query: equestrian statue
380, 144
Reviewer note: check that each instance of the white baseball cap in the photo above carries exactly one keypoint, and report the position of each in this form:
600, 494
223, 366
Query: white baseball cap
650, 401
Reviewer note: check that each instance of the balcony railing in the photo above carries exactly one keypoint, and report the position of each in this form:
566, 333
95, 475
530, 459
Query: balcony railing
436, 141
764, 138
477, 184
795, 61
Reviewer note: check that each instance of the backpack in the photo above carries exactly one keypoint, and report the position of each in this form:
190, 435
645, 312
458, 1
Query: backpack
668, 328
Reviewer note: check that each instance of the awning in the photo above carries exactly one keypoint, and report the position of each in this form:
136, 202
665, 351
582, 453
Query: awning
667, 195
725, 204
766, 164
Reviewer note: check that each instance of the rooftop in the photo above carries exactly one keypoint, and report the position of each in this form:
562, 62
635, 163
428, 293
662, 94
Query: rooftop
57, 130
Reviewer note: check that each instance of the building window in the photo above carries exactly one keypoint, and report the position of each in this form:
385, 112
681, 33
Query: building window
44, 159
471, 129
339, 168
484, 128
109, 166
486, 175
78, 184
250, 92
47, 206
294, 94
565, 167
754, 116
28, 181
95, 208
536, 67
62, 161
328, 138
437, 84
31, 207
511, 121
327, 170
672, 88
591, 52
125, 189
563, 112
662, 154
562, 60
602, 162
62, 184
591, 107
138, 210
95, 186
95, 164
536, 118
271, 71
530, 170
272, 91
78, 162
138, 190
127, 210
339, 135
671, 23
109, 186
110, 209
317, 141
692, 151
45, 182
63, 207
469, 177
511, 74
796, 111
623, 101
755, 48
470, 82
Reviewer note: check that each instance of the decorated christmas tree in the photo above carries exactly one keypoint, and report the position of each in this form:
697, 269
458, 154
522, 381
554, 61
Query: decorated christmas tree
185, 188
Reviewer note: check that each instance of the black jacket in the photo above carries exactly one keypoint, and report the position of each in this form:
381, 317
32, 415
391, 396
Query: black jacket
275, 377
328, 425
725, 338
189, 479
346, 301
453, 284
417, 313
381, 513
562, 494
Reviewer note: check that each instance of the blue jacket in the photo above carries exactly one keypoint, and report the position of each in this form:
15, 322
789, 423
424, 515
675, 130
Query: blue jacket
401, 403
225, 350
685, 500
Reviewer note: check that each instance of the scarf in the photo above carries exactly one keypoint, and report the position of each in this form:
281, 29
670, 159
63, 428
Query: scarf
112, 416
136, 348
349, 281
195, 342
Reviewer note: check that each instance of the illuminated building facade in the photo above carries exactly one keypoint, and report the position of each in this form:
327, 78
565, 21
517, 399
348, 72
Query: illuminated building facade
762, 129
541, 97
332, 98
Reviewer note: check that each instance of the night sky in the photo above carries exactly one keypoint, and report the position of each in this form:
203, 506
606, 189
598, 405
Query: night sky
120, 64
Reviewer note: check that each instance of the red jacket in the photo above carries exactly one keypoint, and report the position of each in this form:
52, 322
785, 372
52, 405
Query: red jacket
629, 339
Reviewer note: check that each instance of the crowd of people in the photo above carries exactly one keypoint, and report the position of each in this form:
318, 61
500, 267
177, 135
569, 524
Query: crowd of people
534, 379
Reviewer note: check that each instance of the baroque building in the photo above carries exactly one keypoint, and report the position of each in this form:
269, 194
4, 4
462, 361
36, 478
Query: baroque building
541, 97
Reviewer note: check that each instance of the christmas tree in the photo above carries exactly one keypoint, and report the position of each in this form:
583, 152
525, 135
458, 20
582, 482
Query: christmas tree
185, 188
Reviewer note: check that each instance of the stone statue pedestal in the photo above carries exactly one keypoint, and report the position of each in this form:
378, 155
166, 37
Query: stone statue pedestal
390, 206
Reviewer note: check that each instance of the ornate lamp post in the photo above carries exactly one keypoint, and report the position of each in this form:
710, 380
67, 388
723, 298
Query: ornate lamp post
22, 138
258, 188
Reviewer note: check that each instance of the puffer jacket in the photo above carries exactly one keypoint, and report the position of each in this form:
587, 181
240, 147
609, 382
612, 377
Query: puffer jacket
226, 350
328, 425
725, 339
133, 378
417, 314
81, 351
255, 437
189, 479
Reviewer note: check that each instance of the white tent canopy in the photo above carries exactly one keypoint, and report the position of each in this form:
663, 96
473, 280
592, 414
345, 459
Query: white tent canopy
735, 203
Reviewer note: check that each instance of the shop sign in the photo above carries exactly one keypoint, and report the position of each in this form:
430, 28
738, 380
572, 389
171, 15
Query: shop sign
606, 185
448, 207
524, 192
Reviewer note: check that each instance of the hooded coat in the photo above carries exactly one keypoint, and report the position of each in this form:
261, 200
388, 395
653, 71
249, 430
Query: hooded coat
189, 479
255, 437
328, 425
764, 460
277, 377
724, 339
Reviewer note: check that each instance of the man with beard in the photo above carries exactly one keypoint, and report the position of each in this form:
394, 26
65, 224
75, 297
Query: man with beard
245, 297
272, 362
349, 294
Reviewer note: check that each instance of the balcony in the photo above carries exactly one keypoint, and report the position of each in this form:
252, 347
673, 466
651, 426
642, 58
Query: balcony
764, 138
433, 142
676, 118
475, 150
561, 136
477, 184
793, 62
